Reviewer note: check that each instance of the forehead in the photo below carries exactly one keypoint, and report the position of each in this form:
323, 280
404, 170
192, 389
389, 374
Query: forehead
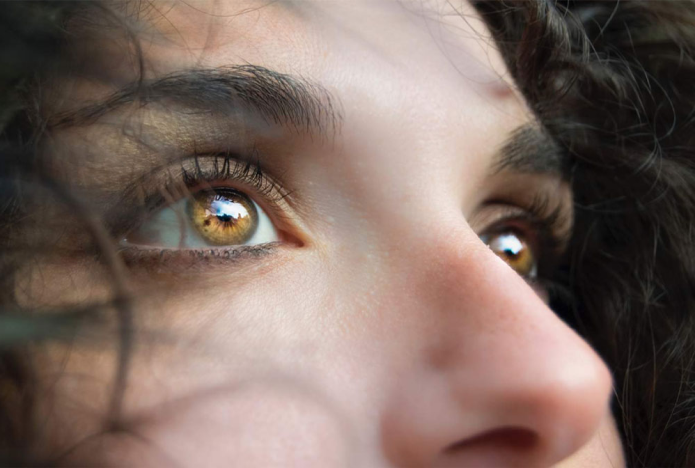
416, 82
314, 37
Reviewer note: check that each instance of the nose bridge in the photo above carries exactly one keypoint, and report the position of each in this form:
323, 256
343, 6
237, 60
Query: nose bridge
497, 367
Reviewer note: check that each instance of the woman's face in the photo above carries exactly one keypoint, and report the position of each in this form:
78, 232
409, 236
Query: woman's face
339, 220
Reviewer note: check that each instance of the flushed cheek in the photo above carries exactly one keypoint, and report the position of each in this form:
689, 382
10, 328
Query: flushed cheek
257, 424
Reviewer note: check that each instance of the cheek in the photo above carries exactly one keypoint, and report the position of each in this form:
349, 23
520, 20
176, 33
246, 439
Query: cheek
258, 423
210, 329
55, 283
267, 367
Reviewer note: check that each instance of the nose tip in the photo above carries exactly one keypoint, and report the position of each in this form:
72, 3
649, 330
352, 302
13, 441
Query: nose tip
512, 384
522, 419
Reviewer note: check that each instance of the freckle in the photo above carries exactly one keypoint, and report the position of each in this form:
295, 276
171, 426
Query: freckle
207, 222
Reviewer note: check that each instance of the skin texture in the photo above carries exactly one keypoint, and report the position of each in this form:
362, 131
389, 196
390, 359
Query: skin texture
381, 331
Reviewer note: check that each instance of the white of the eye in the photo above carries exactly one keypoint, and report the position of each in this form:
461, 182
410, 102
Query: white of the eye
167, 228
265, 231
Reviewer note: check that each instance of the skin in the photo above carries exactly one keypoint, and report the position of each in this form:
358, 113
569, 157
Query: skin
382, 331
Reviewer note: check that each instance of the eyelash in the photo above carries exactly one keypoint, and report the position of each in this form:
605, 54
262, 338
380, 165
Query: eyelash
547, 224
231, 169
194, 260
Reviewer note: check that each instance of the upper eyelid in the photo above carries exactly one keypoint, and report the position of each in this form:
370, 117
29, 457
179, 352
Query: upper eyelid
549, 223
541, 198
234, 168
517, 220
206, 166
529, 226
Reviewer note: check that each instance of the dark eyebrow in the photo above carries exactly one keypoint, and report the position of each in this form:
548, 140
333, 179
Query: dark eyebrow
277, 97
530, 149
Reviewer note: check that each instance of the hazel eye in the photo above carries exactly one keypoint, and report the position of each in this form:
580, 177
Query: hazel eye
514, 250
209, 218
224, 218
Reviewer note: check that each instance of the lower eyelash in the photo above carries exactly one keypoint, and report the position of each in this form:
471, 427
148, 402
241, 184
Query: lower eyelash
192, 259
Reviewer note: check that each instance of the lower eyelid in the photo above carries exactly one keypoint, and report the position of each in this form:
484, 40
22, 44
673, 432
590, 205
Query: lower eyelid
186, 259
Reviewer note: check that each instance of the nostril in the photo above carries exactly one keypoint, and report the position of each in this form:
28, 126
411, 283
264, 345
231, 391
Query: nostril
509, 438
508, 446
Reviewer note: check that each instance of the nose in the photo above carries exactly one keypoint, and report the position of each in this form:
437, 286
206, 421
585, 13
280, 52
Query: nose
496, 378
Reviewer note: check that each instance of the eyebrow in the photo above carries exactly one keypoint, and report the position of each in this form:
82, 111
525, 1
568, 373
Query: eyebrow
530, 149
287, 100
279, 98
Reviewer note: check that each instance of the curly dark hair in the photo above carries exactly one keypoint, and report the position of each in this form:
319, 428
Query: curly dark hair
611, 82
